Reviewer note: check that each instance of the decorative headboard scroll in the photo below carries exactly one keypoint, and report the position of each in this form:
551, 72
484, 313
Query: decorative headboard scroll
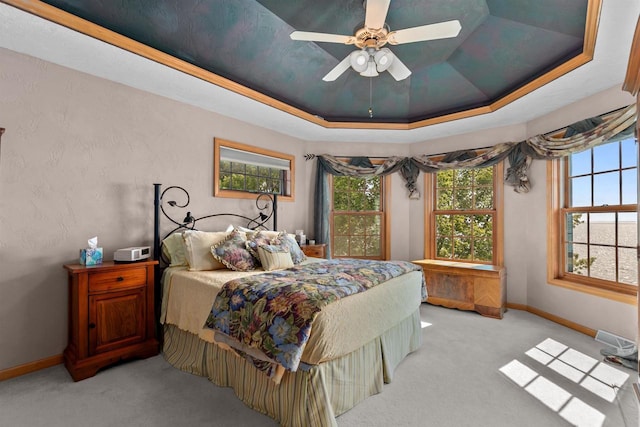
266, 204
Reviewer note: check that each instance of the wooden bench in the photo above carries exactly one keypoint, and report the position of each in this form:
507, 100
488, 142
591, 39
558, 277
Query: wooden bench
466, 286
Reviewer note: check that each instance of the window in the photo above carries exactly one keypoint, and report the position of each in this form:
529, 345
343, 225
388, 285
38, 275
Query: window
358, 218
463, 215
595, 218
241, 170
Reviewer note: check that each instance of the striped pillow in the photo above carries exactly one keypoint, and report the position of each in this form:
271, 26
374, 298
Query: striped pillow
273, 257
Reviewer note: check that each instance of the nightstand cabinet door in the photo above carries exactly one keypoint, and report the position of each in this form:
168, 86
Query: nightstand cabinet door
111, 315
116, 319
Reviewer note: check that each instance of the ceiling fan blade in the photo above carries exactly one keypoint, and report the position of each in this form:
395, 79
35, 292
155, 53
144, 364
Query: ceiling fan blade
441, 30
321, 37
398, 70
376, 13
337, 71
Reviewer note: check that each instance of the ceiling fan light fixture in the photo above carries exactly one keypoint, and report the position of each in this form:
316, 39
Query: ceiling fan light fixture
359, 60
371, 70
383, 59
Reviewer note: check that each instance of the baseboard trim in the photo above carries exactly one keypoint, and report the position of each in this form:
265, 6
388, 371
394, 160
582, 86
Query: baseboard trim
557, 319
27, 368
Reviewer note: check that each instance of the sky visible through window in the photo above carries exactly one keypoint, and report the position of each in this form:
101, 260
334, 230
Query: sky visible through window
608, 160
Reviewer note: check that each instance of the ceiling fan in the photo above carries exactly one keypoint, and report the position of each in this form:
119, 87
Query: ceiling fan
372, 57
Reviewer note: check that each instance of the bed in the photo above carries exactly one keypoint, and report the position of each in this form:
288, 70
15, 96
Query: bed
351, 346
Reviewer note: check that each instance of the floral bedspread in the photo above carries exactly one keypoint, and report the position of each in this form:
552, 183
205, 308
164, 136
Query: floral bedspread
273, 312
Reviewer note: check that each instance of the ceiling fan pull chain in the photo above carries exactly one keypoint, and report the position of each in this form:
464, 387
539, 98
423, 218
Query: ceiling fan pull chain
370, 98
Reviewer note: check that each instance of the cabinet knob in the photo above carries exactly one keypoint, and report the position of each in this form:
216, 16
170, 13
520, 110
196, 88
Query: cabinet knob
92, 325
119, 279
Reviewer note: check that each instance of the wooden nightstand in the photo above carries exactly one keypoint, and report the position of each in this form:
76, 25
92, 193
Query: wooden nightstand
315, 251
111, 315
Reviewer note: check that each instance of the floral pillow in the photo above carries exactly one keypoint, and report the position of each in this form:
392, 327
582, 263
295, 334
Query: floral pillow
256, 239
273, 257
285, 240
233, 253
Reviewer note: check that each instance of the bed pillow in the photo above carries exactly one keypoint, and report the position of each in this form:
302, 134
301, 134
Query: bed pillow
174, 250
285, 240
232, 252
258, 238
230, 228
198, 249
274, 257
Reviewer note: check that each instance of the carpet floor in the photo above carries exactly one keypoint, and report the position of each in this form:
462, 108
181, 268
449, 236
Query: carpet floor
520, 371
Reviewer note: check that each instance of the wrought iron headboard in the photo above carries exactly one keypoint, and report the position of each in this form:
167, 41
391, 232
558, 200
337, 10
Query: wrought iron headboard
266, 204
267, 208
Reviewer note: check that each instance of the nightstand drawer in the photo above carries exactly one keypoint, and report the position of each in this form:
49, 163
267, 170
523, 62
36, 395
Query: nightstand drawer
117, 279
315, 251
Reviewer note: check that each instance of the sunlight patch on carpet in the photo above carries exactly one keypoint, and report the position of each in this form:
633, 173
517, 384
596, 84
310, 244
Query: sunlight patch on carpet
580, 369
424, 324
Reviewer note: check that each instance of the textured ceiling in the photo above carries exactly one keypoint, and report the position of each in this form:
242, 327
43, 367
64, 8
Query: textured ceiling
503, 45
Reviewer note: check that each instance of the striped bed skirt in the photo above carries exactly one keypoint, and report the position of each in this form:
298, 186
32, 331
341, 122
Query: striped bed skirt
314, 396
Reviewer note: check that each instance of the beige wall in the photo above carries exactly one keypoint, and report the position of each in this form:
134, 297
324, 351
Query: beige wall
80, 155
79, 158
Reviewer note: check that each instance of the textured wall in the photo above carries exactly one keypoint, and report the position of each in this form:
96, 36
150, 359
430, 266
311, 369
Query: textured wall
79, 157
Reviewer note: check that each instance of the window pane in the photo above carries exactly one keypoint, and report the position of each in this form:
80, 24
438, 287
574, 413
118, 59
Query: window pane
630, 187
628, 229
484, 197
581, 191
627, 266
445, 199
225, 166
606, 157
462, 248
341, 225
340, 246
443, 247
605, 189
484, 176
580, 163
482, 226
357, 246
461, 225
373, 225
373, 246
252, 170
482, 250
629, 153
463, 177
237, 182
576, 258
237, 167
463, 199
576, 227
357, 225
604, 262
445, 179
602, 228
444, 225
225, 181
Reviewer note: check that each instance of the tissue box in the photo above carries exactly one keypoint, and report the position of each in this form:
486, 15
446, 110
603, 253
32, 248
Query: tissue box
91, 256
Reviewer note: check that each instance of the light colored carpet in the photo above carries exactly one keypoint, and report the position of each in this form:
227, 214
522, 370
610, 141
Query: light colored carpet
470, 371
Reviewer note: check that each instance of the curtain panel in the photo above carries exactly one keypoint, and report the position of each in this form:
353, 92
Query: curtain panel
577, 137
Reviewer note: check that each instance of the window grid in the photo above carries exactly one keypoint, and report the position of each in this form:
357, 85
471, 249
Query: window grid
357, 233
242, 177
621, 255
479, 235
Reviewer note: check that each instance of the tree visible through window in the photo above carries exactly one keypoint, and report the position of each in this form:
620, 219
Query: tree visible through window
464, 214
358, 217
